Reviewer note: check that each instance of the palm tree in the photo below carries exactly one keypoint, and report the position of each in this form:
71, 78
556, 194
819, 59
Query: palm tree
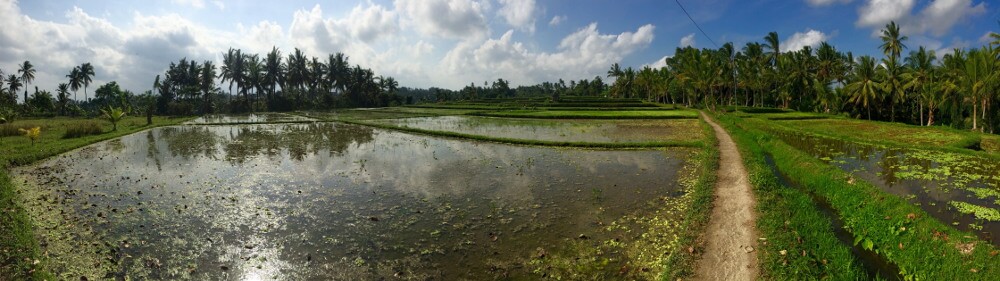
338, 71
254, 75
13, 84
27, 75
226, 71
315, 74
389, 85
920, 79
892, 83
273, 71
86, 76
980, 76
75, 81
892, 42
207, 79
774, 47
615, 71
297, 69
62, 95
892, 46
865, 87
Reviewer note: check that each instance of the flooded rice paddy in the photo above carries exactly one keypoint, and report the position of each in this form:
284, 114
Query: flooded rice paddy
252, 118
322, 201
613, 131
959, 189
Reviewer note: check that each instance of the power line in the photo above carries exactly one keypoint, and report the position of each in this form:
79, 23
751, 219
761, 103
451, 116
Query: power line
695, 23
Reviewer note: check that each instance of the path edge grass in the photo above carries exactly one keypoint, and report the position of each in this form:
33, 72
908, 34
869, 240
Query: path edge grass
680, 263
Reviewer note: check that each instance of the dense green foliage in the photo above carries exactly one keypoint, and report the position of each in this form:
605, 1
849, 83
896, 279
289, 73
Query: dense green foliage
958, 89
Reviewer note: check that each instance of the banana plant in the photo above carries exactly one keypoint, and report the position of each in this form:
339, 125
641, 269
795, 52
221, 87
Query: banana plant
32, 133
113, 114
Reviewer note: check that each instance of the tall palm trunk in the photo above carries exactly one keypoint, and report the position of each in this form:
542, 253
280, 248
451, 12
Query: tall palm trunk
930, 114
921, 114
974, 114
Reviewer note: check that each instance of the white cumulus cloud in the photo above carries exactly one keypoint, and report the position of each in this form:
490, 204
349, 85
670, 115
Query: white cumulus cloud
519, 14
797, 41
687, 41
456, 19
937, 18
556, 20
582, 54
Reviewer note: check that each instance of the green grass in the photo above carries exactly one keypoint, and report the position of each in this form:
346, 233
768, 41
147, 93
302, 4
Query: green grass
990, 143
896, 133
791, 116
790, 221
589, 114
83, 129
902, 233
18, 249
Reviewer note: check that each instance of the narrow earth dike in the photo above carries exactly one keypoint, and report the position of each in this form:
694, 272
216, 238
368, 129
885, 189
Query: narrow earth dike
730, 239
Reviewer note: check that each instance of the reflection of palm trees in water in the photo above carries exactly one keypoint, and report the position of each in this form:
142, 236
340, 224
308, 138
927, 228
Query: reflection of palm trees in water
240, 143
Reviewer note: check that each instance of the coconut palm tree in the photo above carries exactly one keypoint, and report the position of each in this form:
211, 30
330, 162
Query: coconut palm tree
892, 83
864, 88
62, 95
272, 66
207, 83
338, 71
75, 81
13, 84
892, 41
27, 72
773, 46
920, 79
226, 72
980, 78
254, 75
86, 77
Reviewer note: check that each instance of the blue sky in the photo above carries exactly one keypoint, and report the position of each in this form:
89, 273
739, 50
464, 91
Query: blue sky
451, 43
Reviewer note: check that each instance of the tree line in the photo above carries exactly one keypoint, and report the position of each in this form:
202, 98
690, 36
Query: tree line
271, 82
959, 89
268, 82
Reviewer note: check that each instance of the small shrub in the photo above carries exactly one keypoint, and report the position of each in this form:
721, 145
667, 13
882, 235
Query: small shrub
82, 129
11, 129
32, 133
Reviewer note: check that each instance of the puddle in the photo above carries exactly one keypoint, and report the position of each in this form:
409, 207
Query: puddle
334, 201
613, 131
935, 181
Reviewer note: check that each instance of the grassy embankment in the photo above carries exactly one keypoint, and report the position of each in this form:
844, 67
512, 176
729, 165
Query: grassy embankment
903, 234
19, 252
880, 133
589, 114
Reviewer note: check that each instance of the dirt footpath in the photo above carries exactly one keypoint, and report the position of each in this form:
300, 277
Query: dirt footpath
731, 235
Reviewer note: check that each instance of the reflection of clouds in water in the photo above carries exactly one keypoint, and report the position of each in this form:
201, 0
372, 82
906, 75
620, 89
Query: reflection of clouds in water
294, 186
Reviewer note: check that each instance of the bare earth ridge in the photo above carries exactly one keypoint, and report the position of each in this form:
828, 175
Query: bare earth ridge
731, 235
